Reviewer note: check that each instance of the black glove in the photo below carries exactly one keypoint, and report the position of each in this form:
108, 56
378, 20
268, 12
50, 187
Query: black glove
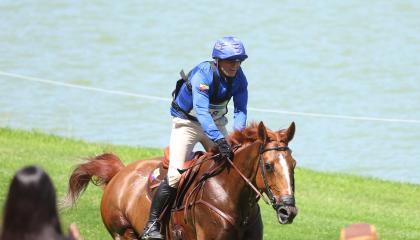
224, 149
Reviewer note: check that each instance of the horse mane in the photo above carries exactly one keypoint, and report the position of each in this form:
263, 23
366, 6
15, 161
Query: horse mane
250, 135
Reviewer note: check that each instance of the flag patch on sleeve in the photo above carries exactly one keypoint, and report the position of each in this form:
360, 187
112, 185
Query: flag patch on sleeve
203, 87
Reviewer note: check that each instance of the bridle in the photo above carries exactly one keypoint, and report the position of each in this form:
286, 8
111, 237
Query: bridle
285, 200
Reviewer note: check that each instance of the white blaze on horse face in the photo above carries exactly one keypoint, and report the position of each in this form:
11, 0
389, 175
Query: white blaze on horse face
285, 168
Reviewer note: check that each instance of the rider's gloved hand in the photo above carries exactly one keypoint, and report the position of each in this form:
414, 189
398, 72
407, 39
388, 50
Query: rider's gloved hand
224, 149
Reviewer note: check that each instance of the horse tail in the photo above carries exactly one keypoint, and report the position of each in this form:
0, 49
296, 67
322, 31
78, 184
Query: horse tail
99, 170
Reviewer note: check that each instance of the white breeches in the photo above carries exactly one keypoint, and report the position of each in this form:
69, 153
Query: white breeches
185, 134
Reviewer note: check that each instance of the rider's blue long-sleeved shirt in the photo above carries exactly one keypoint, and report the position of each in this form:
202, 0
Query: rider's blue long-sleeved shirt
201, 79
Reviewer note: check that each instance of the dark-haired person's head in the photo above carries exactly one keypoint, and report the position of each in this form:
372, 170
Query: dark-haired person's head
30, 211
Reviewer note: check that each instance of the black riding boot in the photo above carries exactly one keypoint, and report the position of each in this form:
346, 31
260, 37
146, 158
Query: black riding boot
163, 197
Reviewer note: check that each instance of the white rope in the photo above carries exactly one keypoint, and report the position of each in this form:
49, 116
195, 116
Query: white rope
34, 79
322, 115
306, 114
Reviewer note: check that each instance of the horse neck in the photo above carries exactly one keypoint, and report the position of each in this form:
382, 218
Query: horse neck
246, 160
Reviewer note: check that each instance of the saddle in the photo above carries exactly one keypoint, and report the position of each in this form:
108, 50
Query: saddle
158, 174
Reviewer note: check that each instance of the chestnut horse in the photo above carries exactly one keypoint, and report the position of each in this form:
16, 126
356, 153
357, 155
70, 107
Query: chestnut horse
221, 202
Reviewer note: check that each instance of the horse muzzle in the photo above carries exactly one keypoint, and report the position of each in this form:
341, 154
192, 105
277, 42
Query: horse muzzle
286, 210
286, 214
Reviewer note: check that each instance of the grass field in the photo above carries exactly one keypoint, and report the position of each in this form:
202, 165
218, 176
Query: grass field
326, 202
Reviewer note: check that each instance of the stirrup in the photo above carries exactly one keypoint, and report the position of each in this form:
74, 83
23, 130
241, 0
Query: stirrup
152, 231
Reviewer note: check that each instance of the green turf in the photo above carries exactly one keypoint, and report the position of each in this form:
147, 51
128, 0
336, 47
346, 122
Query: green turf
326, 202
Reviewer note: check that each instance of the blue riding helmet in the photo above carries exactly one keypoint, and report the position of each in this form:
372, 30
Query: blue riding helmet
229, 48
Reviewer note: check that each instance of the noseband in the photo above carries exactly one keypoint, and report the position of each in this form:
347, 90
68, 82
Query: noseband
286, 200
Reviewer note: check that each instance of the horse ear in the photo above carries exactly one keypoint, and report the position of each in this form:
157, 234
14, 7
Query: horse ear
291, 131
262, 132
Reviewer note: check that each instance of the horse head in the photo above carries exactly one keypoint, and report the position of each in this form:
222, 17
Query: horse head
275, 175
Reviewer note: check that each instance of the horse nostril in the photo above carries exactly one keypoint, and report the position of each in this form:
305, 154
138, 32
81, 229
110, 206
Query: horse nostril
286, 214
283, 215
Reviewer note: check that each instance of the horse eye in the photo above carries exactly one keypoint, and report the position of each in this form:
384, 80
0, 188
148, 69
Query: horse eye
268, 167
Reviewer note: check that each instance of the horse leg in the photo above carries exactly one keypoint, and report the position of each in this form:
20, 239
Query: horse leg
130, 234
255, 228
124, 234
255, 232
118, 226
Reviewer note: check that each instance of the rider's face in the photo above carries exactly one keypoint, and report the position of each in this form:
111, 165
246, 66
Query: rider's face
229, 67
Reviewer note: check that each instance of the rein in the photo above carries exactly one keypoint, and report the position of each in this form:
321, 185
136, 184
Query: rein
262, 150
214, 171
249, 182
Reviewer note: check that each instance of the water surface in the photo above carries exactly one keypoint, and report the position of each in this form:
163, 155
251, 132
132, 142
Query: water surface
352, 58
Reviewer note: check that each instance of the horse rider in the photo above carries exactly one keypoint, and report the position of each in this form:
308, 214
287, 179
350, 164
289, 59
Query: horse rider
198, 110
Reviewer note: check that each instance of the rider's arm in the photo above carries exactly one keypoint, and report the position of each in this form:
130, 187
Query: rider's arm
240, 101
201, 82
